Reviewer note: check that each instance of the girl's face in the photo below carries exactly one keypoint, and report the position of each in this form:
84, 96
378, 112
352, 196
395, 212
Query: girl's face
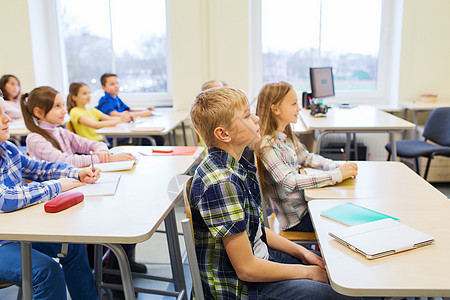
12, 87
83, 97
4, 122
287, 111
57, 113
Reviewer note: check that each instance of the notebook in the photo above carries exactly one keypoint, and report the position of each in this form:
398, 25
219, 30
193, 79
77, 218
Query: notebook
116, 166
352, 214
381, 238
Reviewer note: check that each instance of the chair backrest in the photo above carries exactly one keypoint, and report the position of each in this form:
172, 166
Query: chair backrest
69, 126
190, 246
437, 127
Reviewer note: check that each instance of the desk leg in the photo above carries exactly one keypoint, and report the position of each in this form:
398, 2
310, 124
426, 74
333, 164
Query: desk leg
184, 133
347, 143
98, 267
27, 285
114, 142
174, 134
393, 146
416, 121
355, 146
125, 270
175, 253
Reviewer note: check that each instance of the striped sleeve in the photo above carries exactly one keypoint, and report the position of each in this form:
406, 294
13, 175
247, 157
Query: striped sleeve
39, 147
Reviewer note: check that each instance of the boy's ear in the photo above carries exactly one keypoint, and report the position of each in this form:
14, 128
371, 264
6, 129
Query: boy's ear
274, 109
222, 135
103, 87
38, 113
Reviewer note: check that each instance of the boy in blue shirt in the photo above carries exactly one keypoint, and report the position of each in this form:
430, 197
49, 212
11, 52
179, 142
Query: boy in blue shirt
112, 105
238, 257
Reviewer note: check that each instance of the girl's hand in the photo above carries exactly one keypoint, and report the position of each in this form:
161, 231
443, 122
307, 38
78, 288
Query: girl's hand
349, 169
86, 175
69, 183
122, 157
104, 156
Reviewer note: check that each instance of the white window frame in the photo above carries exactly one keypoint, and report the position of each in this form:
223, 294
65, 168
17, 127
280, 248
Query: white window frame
386, 94
50, 66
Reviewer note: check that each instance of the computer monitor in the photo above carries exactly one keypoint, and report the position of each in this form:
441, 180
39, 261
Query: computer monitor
322, 83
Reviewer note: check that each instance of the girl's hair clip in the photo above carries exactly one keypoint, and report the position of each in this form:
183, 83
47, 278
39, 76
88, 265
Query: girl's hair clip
26, 97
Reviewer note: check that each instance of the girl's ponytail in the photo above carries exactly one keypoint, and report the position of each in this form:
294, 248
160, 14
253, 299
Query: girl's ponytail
43, 98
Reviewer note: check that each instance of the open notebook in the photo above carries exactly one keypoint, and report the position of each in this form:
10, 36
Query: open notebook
380, 238
106, 185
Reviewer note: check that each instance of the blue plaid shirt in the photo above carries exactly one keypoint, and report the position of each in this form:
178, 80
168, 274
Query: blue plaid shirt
225, 200
107, 104
14, 166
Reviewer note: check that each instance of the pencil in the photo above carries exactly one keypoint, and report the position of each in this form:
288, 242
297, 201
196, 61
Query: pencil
92, 161
343, 153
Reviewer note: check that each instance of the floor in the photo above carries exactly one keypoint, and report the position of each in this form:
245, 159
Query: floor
154, 253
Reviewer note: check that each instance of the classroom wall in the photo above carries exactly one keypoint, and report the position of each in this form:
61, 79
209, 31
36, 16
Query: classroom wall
15, 51
209, 39
425, 59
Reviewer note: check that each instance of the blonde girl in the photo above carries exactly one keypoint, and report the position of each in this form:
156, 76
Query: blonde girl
43, 111
280, 155
85, 120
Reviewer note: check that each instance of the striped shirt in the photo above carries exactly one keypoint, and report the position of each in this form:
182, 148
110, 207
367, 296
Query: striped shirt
282, 161
225, 200
14, 166
75, 149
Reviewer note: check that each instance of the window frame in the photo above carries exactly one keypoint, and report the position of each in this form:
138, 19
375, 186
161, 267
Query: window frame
388, 65
51, 69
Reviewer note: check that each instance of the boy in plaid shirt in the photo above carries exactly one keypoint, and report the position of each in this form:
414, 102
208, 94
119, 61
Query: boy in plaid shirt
238, 257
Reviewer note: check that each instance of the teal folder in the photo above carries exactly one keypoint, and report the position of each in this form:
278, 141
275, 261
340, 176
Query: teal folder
351, 214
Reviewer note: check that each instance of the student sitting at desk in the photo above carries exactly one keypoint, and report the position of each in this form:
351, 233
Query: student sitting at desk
280, 155
10, 85
112, 105
238, 257
49, 179
85, 120
43, 112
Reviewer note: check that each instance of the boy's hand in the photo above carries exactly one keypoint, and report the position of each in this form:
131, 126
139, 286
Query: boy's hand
122, 157
317, 274
125, 118
69, 183
349, 169
310, 258
86, 175
104, 156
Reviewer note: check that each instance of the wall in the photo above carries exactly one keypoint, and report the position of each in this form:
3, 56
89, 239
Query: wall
15, 51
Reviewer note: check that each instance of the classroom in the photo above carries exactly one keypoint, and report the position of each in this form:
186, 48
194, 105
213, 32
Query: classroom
244, 43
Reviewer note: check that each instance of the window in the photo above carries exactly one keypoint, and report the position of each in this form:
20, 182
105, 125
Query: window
123, 37
349, 35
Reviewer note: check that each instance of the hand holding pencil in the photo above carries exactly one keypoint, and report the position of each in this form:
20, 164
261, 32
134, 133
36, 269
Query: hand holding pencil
349, 169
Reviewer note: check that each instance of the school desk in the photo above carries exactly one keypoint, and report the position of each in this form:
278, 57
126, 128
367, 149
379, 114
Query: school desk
164, 124
358, 119
17, 129
422, 272
418, 106
378, 179
140, 204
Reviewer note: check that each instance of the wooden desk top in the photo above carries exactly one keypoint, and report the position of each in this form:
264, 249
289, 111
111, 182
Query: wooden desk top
155, 125
416, 273
18, 128
424, 106
132, 215
359, 118
378, 178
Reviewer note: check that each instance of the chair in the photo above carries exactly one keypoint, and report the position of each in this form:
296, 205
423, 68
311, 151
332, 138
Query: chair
4, 285
303, 238
69, 126
436, 130
190, 247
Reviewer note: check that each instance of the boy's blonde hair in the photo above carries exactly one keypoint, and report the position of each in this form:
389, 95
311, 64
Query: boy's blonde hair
213, 108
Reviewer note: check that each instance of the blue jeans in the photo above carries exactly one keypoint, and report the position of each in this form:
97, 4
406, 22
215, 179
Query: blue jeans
49, 279
298, 288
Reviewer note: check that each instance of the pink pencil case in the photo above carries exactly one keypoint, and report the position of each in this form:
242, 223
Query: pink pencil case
63, 201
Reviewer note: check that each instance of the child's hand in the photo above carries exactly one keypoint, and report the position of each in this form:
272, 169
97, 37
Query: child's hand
150, 108
104, 156
86, 175
125, 118
349, 169
310, 258
69, 183
122, 157
317, 274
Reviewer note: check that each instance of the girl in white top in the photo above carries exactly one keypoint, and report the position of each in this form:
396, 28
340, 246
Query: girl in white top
44, 112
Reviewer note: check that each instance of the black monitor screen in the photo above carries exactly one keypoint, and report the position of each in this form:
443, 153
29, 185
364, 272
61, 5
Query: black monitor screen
322, 83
